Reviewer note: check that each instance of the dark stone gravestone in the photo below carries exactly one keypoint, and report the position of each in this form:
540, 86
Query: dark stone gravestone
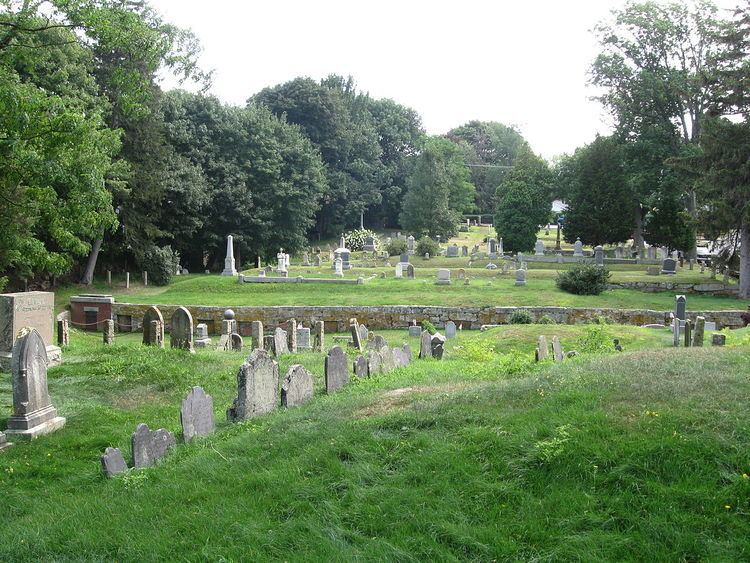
181, 330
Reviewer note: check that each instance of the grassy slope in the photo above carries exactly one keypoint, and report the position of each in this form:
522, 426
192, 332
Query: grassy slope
482, 456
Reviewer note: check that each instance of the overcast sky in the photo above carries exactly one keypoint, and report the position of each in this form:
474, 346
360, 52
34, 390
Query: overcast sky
522, 63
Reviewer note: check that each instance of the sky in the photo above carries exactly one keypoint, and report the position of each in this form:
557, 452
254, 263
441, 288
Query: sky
522, 63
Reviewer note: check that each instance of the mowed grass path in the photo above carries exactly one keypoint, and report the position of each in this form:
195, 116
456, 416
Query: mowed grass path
639, 455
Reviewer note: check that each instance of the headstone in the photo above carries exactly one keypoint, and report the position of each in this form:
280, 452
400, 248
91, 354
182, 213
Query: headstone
675, 332
257, 387
229, 265
520, 277
464, 251
297, 387
409, 246
698, 332
452, 251
680, 307
718, 339
360, 367
305, 258
151, 338
113, 463
539, 247
710, 325
653, 270
669, 266
291, 335
303, 339
619, 252
281, 262
201, 336
450, 330
237, 342
406, 354
336, 370
33, 413
316, 261
651, 253
578, 248
399, 271
387, 363
33, 309
268, 343
354, 330
63, 333
338, 267
319, 333
369, 245
108, 334
426, 255
425, 345
280, 345
415, 330
181, 330
404, 259
599, 255
256, 332
688, 333
364, 334
149, 446
542, 348
557, 350
376, 342
197, 414
410, 271
443, 277
492, 248
437, 346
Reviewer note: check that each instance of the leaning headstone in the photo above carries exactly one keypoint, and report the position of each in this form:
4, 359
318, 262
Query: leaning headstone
297, 387
113, 463
336, 370
364, 333
181, 330
108, 333
151, 338
33, 309
201, 336
354, 330
360, 367
280, 345
257, 387
425, 345
443, 277
698, 332
149, 446
557, 350
688, 332
520, 277
437, 346
256, 331
319, 335
63, 333
197, 414
542, 348
450, 329
680, 307
718, 339
33, 413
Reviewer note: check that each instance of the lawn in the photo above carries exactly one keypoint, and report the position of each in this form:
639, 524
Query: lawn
486, 455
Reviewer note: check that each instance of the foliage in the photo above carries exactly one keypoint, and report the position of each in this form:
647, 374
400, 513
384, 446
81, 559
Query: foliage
523, 202
520, 317
550, 448
356, 239
597, 338
396, 247
426, 245
429, 327
439, 191
546, 320
161, 264
668, 224
584, 279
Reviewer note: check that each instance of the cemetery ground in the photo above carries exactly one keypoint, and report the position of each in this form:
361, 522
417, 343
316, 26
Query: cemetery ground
484, 455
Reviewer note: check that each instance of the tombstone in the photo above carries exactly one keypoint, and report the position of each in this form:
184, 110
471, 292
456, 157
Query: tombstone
669, 266
399, 271
410, 271
688, 332
369, 245
452, 251
425, 345
113, 463
344, 254
319, 333
305, 258
291, 335
338, 266
336, 370
464, 251
297, 387
4, 443
149, 446
127, 280
33, 413
651, 253
237, 342
450, 330
404, 259
151, 337
185, 272
281, 262
354, 330
256, 332
32, 309
680, 307
415, 331
387, 363
675, 332
316, 261
710, 325
698, 333
492, 248
557, 350
63, 333
280, 342
257, 387
406, 353
229, 265
268, 345
599, 255
653, 270
619, 252
181, 330
437, 346
443, 277
303, 339
539, 247
718, 339
426, 255
409, 247
542, 348
520, 277
108, 334
201, 336
364, 334
578, 248
197, 414
500, 247
360, 367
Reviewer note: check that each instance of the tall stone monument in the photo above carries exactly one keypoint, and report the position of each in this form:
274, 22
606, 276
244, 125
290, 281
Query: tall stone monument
229, 266
33, 309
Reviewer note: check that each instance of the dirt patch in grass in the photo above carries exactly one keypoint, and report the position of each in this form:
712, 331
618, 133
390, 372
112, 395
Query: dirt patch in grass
399, 399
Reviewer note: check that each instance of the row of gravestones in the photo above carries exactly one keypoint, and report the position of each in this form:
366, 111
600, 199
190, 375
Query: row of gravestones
558, 355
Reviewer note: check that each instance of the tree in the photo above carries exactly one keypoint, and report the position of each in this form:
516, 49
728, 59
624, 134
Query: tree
439, 191
523, 202
599, 200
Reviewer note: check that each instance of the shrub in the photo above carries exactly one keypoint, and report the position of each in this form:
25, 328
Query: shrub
4, 282
429, 327
546, 320
584, 279
427, 246
396, 247
355, 240
520, 317
160, 263
596, 339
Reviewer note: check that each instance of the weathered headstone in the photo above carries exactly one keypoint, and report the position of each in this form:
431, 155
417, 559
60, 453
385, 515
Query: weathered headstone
387, 362
257, 387
464, 251
156, 331
364, 334
450, 330
237, 342
32, 309
303, 339
197, 414
201, 336
291, 335
718, 339
539, 247
425, 345
336, 370
688, 333
461, 275
354, 330
415, 330
410, 271
113, 463
676, 332
406, 354
33, 413
698, 332
437, 346
181, 330
360, 367
520, 277
256, 332
108, 334
280, 345
443, 277
374, 363
338, 267
63, 333
557, 350
319, 335
409, 246
599, 255
542, 348
149, 446
268, 343
452, 251
680, 307
578, 248
376, 342
229, 265
4, 443
297, 387
151, 338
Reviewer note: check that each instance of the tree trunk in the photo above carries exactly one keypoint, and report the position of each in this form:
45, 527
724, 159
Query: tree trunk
640, 246
745, 260
88, 274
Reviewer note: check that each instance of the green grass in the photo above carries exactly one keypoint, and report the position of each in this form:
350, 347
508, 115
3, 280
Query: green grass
484, 456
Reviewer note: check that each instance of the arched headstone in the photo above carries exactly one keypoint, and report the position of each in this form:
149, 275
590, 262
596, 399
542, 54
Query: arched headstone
153, 314
181, 330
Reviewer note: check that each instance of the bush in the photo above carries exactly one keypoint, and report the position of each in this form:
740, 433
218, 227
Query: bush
4, 282
584, 279
355, 240
160, 263
429, 327
396, 247
427, 246
546, 320
520, 317
596, 339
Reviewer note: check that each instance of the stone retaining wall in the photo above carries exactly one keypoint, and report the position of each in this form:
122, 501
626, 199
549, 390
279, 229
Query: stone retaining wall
705, 288
128, 316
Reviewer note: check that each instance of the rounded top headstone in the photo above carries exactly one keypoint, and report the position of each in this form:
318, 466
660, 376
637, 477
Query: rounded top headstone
228, 315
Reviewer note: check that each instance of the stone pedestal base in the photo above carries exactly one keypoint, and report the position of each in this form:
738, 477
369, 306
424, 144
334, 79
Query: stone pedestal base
39, 430
229, 273
443, 282
54, 355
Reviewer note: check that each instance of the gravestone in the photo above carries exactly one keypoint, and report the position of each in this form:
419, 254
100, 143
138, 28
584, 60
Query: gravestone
291, 335
492, 248
675, 332
108, 334
113, 463
354, 331
181, 330
539, 247
415, 330
619, 252
651, 253
197, 414
369, 244
464, 251
520, 277
450, 330
426, 255
256, 332
376, 342
229, 264
303, 339
63, 333
680, 307
151, 338
364, 334
399, 271
305, 258
237, 342
32, 309
268, 345
557, 350
452, 251
578, 248
443, 277
336, 370
201, 336
387, 363
688, 333
316, 261
698, 333
599, 255
653, 270
319, 336
406, 353
338, 267
718, 339
360, 367
257, 387
297, 387
542, 348
410, 271
280, 342
425, 345
374, 363
33, 413
149, 446
4, 443
437, 346
669, 266
409, 247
